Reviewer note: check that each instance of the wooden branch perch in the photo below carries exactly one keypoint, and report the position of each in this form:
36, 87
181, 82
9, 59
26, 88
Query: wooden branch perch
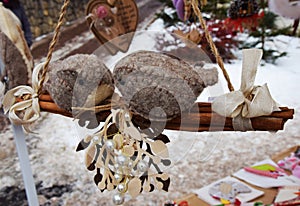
200, 118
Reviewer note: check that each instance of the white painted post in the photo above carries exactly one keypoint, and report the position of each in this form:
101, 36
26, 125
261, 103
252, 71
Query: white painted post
25, 166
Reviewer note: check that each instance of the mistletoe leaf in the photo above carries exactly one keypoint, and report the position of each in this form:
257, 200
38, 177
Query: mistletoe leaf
166, 183
146, 187
119, 140
110, 187
89, 157
133, 132
159, 148
102, 186
166, 162
87, 119
92, 166
164, 176
128, 150
98, 177
162, 138
159, 186
82, 145
134, 187
112, 129
151, 188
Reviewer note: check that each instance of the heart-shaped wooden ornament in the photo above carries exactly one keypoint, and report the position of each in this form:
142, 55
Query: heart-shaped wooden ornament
110, 20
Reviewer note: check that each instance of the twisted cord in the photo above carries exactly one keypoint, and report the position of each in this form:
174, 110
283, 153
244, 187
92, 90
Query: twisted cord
211, 43
54, 40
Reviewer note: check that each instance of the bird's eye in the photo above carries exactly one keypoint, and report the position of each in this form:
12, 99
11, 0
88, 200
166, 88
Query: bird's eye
100, 24
109, 21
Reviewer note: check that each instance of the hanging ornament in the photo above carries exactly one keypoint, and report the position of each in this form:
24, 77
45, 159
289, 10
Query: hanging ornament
184, 9
287, 8
125, 159
144, 78
242, 8
243, 14
110, 20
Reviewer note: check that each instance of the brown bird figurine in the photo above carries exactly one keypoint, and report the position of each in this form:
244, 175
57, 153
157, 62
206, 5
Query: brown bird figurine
160, 85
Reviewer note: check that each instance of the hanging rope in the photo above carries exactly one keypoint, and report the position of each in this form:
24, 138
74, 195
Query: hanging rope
54, 40
195, 4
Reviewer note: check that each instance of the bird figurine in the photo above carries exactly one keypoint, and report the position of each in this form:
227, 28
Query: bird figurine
160, 85
79, 81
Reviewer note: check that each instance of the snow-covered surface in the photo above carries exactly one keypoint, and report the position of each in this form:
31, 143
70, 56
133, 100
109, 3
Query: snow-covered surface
199, 158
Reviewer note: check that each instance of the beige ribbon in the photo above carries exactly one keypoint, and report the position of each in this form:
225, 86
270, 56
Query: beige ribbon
27, 111
250, 101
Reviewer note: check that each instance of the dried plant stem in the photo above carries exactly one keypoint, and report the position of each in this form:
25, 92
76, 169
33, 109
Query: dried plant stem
212, 45
54, 40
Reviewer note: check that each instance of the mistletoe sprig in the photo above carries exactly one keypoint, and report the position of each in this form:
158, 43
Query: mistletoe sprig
126, 159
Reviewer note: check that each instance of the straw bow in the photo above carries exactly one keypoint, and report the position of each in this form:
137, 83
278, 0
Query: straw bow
249, 101
27, 111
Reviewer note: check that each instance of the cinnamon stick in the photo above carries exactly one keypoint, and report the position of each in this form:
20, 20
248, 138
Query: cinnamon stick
201, 118
268, 123
285, 112
205, 107
194, 128
53, 108
215, 122
45, 98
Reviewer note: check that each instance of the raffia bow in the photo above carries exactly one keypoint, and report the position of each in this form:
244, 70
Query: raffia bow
27, 111
250, 101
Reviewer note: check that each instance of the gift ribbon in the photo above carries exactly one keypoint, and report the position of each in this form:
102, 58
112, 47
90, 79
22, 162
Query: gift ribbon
27, 111
249, 101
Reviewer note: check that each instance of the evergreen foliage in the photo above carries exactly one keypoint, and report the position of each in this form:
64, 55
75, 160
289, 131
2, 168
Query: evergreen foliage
217, 10
265, 32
